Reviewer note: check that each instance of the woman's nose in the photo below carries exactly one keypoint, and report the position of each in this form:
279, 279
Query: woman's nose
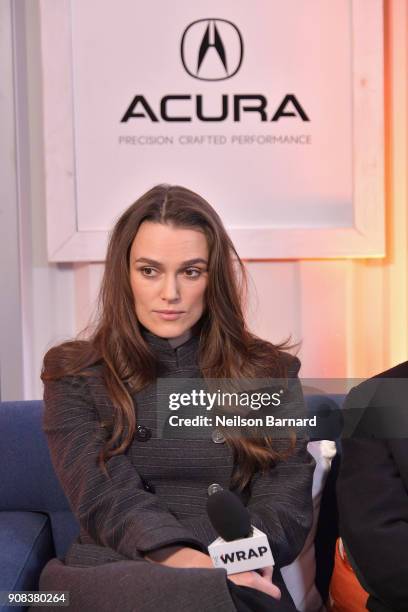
169, 290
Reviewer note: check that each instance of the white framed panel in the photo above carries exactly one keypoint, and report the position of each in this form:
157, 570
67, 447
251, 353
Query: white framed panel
322, 197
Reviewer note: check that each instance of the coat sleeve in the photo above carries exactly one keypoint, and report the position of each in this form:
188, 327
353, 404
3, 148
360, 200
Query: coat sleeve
280, 505
373, 511
117, 512
281, 502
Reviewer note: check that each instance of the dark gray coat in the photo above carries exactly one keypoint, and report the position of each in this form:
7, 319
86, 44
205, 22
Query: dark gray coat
156, 497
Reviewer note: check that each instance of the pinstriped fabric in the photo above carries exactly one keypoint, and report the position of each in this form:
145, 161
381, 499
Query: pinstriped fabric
138, 586
118, 513
121, 520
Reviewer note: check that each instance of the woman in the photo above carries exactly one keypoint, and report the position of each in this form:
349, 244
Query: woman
141, 499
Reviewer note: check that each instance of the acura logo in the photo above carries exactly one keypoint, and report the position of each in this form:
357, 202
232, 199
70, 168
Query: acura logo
212, 49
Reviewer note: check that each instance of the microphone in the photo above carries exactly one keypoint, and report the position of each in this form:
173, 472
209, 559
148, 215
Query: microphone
240, 547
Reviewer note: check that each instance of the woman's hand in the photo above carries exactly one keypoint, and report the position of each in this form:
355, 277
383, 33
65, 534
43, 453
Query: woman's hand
183, 556
261, 582
179, 556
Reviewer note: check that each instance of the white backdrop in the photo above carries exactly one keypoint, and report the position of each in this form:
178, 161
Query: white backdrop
306, 184
302, 49
350, 314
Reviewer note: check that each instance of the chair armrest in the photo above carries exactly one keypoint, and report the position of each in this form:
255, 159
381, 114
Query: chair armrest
25, 547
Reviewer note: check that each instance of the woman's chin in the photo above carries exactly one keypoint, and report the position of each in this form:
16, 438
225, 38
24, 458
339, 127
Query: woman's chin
169, 329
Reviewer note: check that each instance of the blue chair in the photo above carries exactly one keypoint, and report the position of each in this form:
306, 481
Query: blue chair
36, 522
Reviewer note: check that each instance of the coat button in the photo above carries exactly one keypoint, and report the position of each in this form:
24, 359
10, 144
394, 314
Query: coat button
217, 436
213, 488
148, 487
143, 433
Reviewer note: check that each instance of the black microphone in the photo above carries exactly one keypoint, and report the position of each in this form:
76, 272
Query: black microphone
228, 515
240, 547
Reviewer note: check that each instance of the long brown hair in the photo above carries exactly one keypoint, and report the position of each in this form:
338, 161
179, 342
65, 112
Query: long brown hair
227, 349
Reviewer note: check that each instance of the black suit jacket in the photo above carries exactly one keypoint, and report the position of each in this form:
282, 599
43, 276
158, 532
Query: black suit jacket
158, 490
372, 488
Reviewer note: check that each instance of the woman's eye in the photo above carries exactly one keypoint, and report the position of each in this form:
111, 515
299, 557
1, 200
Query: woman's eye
148, 269
150, 272
195, 273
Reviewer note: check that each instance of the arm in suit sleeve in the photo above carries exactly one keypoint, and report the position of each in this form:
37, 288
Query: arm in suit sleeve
115, 512
281, 503
373, 510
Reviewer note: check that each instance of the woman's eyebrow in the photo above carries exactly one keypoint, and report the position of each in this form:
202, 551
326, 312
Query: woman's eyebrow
153, 262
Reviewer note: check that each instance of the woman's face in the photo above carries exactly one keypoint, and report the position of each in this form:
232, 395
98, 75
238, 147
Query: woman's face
168, 272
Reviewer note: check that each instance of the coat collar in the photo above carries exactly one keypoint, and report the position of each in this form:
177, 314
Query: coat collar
184, 354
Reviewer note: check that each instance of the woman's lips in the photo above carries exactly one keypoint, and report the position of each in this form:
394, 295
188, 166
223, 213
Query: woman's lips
168, 316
